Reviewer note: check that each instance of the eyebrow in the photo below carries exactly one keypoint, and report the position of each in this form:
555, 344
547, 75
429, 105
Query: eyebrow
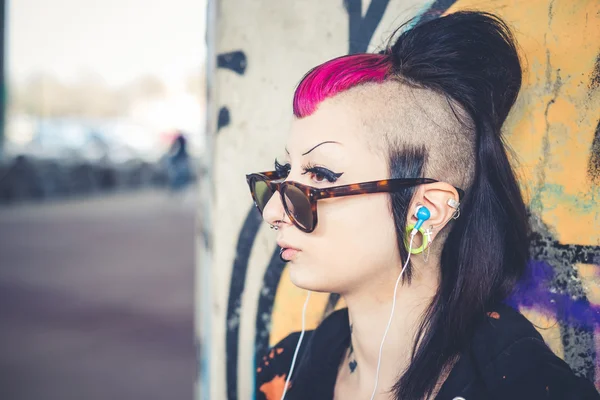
329, 141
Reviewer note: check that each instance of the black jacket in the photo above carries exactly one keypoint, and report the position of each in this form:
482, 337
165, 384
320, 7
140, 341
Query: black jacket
507, 360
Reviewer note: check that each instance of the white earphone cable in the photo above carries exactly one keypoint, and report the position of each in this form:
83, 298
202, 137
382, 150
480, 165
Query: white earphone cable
287, 381
387, 328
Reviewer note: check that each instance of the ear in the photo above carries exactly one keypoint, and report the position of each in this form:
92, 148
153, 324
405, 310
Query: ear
435, 197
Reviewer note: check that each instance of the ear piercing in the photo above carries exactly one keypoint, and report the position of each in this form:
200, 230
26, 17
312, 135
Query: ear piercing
456, 205
453, 203
275, 227
428, 234
422, 214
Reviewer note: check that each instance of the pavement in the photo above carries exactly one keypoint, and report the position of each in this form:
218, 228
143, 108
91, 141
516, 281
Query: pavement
96, 298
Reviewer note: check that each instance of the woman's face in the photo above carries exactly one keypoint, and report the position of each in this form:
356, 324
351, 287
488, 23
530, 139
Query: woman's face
354, 244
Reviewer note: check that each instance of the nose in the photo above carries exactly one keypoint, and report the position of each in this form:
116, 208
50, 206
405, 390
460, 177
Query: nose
274, 212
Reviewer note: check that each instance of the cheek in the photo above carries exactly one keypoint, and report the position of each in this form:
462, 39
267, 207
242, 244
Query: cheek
355, 239
364, 219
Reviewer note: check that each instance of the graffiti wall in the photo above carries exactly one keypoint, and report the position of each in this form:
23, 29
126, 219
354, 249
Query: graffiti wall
259, 49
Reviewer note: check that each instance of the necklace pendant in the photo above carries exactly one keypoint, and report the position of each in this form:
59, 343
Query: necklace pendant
352, 364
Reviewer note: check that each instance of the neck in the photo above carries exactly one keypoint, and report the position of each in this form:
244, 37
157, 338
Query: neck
369, 311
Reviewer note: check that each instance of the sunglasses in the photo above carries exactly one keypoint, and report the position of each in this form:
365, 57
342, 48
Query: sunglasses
300, 201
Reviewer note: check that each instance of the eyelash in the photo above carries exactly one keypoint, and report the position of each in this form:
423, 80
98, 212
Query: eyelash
330, 176
324, 172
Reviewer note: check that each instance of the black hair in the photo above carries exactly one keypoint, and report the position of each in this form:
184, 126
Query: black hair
471, 58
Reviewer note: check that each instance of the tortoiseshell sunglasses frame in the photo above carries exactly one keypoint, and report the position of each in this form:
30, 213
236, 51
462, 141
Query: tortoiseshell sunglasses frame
275, 182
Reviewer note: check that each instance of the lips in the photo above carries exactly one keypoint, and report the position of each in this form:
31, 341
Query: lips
286, 252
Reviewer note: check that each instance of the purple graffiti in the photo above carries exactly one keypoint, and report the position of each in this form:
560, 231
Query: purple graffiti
536, 291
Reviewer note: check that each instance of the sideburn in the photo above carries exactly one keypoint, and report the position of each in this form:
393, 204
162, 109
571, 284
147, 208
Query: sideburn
405, 162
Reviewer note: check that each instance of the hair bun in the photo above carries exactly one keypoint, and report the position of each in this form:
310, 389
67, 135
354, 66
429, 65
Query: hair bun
470, 56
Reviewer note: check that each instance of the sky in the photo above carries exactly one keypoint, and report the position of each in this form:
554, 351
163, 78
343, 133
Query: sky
118, 39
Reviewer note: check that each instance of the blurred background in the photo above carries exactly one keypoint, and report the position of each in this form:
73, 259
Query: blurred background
101, 147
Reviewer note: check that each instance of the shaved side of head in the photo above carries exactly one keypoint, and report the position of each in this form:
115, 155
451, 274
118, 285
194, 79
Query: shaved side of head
397, 116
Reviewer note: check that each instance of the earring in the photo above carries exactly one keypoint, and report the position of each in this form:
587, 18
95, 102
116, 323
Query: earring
428, 234
456, 205
453, 203
274, 227
456, 214
409, 229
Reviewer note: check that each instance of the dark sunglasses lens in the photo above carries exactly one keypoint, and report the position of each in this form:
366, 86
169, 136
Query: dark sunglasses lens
262, 194
299, 207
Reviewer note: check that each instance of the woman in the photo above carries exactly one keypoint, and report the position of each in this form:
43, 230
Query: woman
420, 226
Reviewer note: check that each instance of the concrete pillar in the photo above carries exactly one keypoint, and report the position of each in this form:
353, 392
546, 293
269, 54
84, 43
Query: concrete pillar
260, 49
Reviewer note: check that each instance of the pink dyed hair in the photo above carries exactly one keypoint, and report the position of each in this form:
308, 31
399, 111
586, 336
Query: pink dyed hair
336, 76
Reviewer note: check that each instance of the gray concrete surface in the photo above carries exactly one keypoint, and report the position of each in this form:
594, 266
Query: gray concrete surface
96, 299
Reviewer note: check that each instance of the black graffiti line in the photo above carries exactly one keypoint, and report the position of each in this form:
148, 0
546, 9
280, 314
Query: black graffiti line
361, 30
561, 257
581, 254
236, 288
437, 9
593, 169
223, 119
235, 61
595, 76
574, 253
266, 301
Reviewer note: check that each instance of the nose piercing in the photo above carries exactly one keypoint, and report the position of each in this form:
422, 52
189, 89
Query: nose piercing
275, 226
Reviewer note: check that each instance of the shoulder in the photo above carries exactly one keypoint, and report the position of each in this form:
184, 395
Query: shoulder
514, 361
274, 366
503, 327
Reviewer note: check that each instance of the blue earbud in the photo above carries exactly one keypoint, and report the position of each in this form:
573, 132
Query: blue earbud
422, 215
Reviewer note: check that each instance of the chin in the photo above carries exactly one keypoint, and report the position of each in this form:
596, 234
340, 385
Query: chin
308, 278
